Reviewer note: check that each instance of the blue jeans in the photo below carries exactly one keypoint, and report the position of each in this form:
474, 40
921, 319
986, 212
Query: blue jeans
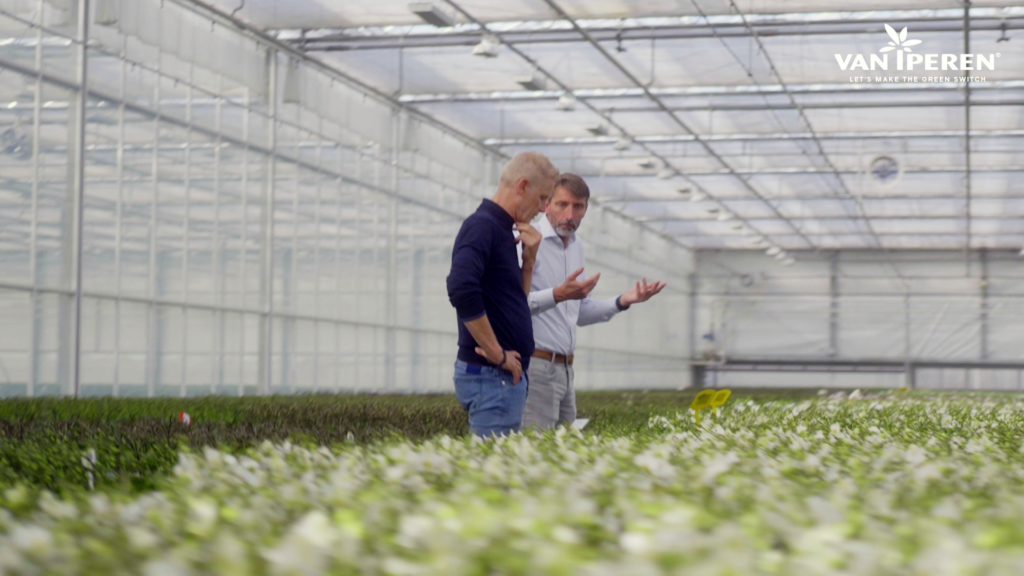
494, 404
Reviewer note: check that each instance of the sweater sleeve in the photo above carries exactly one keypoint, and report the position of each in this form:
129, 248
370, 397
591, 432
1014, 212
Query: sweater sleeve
469, 258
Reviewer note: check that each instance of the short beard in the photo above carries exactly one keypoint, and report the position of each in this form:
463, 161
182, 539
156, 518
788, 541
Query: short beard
565, 232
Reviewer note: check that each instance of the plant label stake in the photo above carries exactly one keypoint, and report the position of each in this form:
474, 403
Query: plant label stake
700, 402
89, 462
184, 418
719, 399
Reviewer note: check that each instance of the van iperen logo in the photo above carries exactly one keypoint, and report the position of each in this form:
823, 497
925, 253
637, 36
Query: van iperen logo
912, 60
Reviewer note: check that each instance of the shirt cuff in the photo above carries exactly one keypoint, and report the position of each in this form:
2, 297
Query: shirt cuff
541, 301
594, 311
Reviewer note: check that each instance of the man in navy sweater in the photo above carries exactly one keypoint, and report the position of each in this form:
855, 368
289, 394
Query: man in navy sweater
488, 285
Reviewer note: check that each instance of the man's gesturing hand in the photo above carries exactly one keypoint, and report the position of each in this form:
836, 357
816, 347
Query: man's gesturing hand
573, 290
511, 362
530, 237
642, 292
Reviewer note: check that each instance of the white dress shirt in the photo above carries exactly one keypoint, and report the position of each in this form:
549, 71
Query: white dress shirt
554, 325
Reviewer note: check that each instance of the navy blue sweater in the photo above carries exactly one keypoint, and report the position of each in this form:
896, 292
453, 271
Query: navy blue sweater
486, 279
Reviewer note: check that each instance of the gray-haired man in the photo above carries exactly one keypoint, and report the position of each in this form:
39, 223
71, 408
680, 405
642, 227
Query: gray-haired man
559, 302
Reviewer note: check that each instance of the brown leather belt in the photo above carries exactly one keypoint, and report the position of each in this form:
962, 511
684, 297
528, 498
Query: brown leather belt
560, 358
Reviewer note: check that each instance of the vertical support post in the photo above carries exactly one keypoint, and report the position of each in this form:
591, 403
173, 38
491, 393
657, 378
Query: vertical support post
81, 101
391, 354
907, 343
967, 140
267, 260
33, 257
288, 323
418, 271
186, 223
289, 277
984, 304
155, 315
243, 249
217, 380
338, 196
119, 216
692, 316
316, 253
911, 376
833, 315
696, 372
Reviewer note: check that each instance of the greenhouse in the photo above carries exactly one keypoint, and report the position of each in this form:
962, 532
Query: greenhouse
260, 311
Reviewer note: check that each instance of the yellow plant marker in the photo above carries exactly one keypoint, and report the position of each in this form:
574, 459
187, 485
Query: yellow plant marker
719, 399
701, 401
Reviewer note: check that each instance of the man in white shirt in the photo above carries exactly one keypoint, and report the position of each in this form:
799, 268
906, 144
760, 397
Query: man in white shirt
559, 302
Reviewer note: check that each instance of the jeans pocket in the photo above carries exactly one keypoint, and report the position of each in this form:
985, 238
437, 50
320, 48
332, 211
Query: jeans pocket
467, 391
494, 396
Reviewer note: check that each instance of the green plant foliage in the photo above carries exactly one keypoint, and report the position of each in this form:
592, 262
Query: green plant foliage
137, 440
866, 484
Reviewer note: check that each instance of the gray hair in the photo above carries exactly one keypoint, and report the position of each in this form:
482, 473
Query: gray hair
532, 166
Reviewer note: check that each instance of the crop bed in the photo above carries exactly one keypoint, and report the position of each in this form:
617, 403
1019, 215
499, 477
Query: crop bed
884, 484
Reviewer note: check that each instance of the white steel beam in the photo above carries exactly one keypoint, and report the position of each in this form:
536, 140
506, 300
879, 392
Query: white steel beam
645, 28
708, 90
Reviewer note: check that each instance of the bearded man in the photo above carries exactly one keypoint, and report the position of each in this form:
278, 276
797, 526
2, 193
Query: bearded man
560, 301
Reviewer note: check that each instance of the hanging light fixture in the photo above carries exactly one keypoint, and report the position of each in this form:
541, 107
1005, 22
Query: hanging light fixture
774, 250
566, 102
532, 82
488, 47
725, 216
781, 255
698, 196
788, 262
432, 14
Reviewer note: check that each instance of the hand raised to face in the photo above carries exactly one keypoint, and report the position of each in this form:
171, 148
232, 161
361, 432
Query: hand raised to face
530, 237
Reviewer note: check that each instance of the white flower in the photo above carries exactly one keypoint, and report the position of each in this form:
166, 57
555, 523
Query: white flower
717, 466
635, 542
202, 516
165, 567
915, 455
34, 540
141, 538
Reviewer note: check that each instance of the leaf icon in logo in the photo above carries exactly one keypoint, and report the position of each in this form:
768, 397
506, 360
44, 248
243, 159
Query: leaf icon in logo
899, 40
892, 33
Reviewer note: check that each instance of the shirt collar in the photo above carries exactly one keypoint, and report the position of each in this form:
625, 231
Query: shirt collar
497, 211
548, 231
